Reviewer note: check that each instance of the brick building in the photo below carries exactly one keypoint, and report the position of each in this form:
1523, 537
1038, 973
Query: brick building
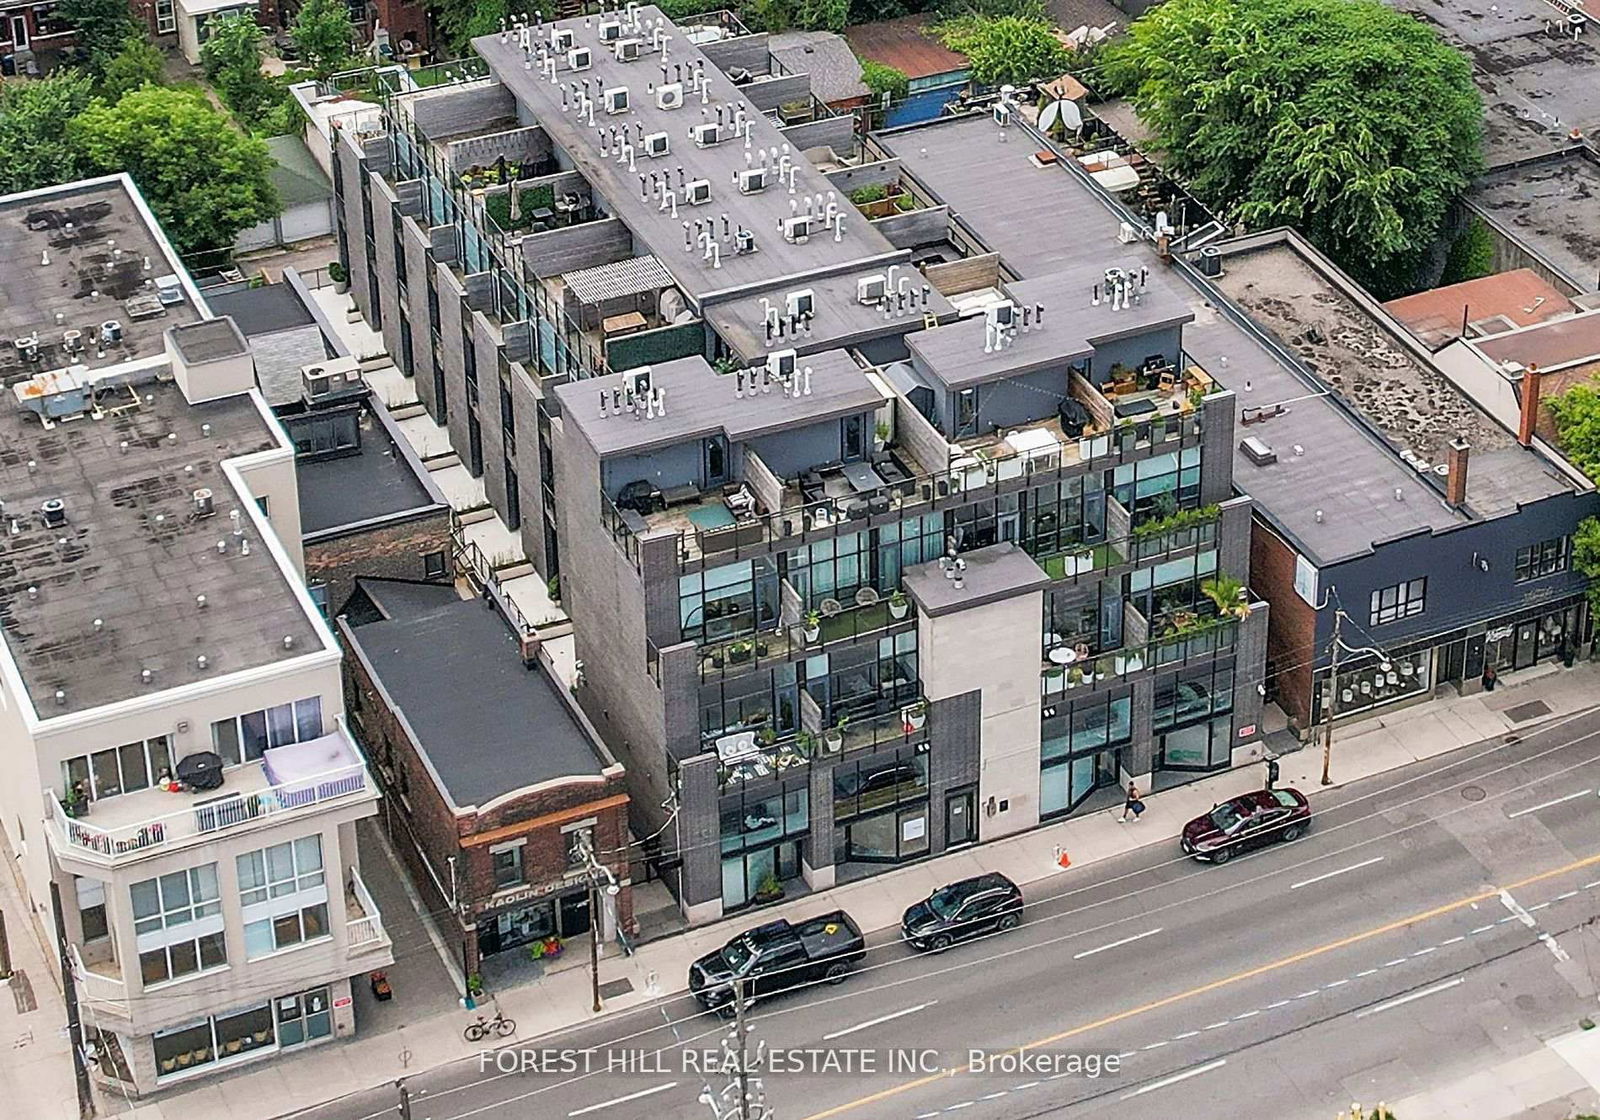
491, 771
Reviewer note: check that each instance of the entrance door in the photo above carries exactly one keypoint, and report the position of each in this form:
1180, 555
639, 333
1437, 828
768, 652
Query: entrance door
1527, 644
574, 914
960, 819
19, 32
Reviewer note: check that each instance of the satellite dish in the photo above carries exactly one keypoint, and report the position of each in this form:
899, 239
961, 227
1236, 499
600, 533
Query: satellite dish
1064, 113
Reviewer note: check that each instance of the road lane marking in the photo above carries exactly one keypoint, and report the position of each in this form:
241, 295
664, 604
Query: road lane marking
1564, 895
1175, 1078
1277, 1004
1425, 952
1484, 929
1335, 984
994, 1096
1247, 1015
1154, 1045
624, 1100
1452, 941
958, 1107
1518, 911
1392, 964
1331, 874
1418, 994
1215, 1026
1024, 1085
1555, 948
1185, 1034
1116, 944
1306, 995
879, 1020
1366, 972
1278, 965
1547, 804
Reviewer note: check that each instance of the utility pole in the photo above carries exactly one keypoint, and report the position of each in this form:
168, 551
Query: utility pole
405, 1098
594, 940
69, 993
743, 1097
1330, 708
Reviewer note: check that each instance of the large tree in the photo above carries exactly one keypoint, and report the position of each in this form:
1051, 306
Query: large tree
204, 179
33, 130
1006, 50
102, 25
1347, 119
139, 63
322, 33
232, 57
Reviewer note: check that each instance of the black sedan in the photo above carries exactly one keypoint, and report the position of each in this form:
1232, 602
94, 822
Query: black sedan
982, 904
1247, 822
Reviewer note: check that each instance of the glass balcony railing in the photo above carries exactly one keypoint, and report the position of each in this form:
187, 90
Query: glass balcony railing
736, 656
752, 755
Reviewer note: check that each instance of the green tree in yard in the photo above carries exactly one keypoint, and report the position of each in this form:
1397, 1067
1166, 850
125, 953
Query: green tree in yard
205, 180
1005, 50
461, 21
232, 59
322, 33
139, 63
1577, 416
103, 26
1586, 555
1347, 119
1471, 254
33, 130
881, 79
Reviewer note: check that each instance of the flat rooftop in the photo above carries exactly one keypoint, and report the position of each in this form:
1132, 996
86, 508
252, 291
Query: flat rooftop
379, 482
997, 572
1074, 325
1045, 221
133, 554
261, 310
841, 320
1553, 208
1535, 85
661, 233
1550, 346
701, 402
1485, 306
486, 725
96, 237
1413, 405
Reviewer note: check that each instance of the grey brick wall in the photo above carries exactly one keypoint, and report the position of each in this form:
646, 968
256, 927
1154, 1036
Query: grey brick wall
954, 756
1216, 448
383, 219
525, 400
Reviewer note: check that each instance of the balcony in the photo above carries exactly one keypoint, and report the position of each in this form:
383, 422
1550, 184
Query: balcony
134, 825
866, 613
746, 756
364, 930
100, 984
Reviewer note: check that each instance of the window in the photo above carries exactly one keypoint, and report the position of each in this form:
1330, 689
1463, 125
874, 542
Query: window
433, 566
92, 908
1547, 558
166, 19
177, 921
124, 769
319, 596
507, 862
243, 738
264, 506
1403, 600
284, 895
216, 1039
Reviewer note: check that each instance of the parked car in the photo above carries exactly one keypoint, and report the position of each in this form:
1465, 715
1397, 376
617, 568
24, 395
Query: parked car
982, 904
1247, 822
776, 957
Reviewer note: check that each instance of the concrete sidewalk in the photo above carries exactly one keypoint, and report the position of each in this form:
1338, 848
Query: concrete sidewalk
561, 998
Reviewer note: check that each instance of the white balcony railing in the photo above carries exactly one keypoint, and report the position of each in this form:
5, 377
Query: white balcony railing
365, 928
98, 988
205, 815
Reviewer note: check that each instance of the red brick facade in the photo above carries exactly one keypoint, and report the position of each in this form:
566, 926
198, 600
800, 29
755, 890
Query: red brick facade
1291, 627
395, 551
427, 831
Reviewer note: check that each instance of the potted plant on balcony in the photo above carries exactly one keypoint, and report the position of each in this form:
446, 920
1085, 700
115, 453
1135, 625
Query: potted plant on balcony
1075, 676
833, 737
340, 275
899, 607
76, 801
769, 890
915, 716
1229, 594
812, 626
767, 736
806, 744
741, 651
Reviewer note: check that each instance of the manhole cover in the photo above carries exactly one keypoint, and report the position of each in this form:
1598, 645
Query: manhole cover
1473, 793
1533, 709
616, 988
1512, 739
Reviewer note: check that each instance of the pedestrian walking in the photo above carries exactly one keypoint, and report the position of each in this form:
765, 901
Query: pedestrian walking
1272, 771
1133, 806
1490, 677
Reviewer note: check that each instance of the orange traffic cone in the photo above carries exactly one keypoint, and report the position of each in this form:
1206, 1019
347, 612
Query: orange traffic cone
1062, 859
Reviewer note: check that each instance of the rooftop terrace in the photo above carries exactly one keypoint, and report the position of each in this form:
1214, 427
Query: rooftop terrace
78, 257
109, 591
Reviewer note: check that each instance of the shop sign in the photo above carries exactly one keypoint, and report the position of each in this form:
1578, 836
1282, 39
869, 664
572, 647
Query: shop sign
1498, 634
523, 894
342, 1001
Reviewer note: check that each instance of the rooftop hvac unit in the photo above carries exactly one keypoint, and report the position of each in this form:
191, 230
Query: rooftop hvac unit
1258, 451
579, 58
698, 192
871, 289
560, 38
110, 331
705, 135
169, 290
319, 382
744, 242
610, 30
616, 100
797, 230
628, 50
801, 303
781, 363
670, 96
655, 144
204, 504
753, 180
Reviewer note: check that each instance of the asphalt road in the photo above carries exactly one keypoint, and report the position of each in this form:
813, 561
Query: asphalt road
1435, 921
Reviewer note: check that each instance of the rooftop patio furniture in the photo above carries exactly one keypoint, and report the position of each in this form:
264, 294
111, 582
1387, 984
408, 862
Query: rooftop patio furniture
641, 496
683, 495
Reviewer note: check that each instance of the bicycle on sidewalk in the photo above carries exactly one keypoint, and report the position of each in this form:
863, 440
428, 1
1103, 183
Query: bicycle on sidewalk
500, 1025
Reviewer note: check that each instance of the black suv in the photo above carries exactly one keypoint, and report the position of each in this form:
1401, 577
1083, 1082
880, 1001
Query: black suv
978, 905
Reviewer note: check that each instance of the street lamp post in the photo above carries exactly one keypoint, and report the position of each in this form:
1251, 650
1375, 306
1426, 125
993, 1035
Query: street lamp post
598, 874
1336, 646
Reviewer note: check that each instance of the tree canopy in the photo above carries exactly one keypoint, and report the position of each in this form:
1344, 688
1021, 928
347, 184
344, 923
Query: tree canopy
322, 33
139, 63
231, 56
205, 180
1347, 119
1577, 417
103, 27
33, 126
1005, 50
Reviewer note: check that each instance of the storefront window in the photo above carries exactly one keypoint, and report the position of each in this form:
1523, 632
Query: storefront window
1369, 684
760, 837
1206, 745
216, 1039
516, 926
1192, 696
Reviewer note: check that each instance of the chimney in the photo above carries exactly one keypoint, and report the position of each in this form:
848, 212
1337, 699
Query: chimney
1455, 483
1530, 405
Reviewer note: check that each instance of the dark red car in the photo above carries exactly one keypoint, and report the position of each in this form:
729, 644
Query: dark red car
1246, 822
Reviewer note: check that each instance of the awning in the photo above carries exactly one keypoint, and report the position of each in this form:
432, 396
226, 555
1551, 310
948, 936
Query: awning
617, 280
